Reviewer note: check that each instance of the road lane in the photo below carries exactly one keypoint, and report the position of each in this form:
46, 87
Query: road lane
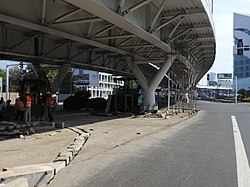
198, 152
243, 174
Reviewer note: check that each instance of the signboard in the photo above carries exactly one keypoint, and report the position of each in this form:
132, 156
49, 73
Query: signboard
81, 79
224, 76
91, 79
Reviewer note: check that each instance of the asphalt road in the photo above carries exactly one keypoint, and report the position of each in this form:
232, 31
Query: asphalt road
198, 152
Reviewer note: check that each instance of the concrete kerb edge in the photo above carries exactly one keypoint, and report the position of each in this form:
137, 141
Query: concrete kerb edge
73, 149
64, 157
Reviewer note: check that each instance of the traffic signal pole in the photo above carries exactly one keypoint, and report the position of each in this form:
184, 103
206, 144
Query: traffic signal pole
7, 78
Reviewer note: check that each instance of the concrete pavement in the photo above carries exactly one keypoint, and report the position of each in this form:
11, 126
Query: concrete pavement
107, 133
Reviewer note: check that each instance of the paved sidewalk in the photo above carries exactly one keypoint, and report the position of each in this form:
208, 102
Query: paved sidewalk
106, 133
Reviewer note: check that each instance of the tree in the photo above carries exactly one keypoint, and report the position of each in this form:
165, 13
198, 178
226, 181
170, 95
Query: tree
242, 94
15, 75
3, 75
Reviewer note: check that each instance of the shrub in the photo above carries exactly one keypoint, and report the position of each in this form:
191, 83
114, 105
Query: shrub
247, 99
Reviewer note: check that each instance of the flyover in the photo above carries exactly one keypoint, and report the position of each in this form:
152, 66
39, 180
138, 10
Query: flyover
140, 38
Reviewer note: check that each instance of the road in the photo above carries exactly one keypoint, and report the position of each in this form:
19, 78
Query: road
210, 149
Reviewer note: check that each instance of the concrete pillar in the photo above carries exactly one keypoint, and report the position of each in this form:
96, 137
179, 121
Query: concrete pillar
149, 89
60, 76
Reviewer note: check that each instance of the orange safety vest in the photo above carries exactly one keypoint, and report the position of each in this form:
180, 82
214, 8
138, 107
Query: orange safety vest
50, 101
28, 101
20, 105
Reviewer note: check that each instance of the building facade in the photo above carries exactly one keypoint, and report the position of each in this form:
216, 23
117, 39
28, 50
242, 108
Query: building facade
241, 45
99, 84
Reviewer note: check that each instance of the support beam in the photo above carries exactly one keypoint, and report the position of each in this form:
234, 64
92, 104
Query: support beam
148, 61
68, 14
126, 41
176, 26
55, 48
22, 23
118, 39
44, 11
149, 95
60, 76
135, 7
78, 21
36, 68
167, 22
4, 36
19, 43
79, 53
187, 12
104, 30
89, 29
97, 9
187, 35
115, 37
138, 74
120, 6
33, 58
179, 35
151, 28
136, 46
149, 88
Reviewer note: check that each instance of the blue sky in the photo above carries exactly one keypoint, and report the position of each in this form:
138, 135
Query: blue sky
223, 20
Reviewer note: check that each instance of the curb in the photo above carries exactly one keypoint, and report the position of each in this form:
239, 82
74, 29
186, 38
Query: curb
42, 174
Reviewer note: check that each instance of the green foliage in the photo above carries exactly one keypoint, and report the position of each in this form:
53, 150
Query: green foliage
242, 93
212, 83
247, 99
15, 75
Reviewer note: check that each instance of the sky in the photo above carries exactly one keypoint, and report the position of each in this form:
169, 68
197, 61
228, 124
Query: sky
223, 20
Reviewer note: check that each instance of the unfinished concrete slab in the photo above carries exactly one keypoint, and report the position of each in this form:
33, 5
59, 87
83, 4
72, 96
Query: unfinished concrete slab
20, 182
35, 175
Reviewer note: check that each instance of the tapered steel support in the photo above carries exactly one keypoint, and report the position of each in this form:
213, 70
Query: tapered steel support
149, 88
60, 76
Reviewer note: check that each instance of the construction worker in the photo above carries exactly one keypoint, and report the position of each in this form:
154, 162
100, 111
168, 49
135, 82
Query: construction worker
19, 106
50, 101
2, 107
28, 102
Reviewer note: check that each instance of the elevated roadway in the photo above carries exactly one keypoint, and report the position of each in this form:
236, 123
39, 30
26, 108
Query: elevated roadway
140, 38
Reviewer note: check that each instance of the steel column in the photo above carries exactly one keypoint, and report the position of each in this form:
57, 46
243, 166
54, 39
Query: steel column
60, 76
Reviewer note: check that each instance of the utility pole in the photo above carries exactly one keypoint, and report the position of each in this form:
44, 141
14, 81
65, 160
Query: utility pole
7, 78
7, 82
236, 88
169, 91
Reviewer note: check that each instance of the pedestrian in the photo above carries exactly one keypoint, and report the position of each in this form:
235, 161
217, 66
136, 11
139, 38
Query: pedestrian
2, 107
28, 102
20, 109
50, 101
8, 106
3, 103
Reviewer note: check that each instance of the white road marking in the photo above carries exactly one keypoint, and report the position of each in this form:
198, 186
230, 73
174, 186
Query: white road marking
243, 171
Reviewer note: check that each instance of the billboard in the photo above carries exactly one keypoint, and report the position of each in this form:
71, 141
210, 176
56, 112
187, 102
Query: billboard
90, 78
224, 75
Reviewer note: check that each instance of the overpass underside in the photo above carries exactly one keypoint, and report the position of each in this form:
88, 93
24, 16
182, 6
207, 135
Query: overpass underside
146, 39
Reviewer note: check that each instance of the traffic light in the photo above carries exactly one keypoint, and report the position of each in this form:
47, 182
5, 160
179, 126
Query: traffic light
240, 47
21, 65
